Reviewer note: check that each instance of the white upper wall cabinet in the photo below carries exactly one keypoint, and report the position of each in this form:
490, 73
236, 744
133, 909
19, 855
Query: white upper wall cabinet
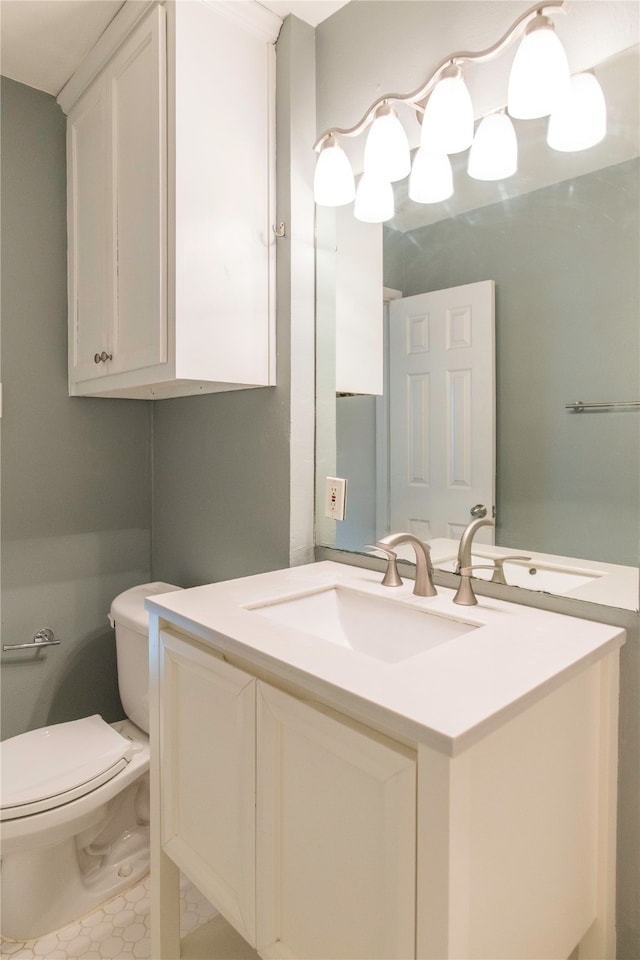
171, 200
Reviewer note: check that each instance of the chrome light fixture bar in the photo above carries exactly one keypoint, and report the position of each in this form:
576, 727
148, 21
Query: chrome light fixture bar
539, 84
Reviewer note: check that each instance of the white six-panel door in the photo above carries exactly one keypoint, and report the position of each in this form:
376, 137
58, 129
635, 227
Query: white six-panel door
441, 409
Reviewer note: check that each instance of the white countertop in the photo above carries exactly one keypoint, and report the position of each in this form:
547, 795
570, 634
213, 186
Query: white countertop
449, 696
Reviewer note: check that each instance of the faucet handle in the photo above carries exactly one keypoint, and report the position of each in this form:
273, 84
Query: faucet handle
391, 578
464, 594
498, 572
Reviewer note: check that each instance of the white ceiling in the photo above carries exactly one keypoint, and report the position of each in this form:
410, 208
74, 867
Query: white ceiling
43, 41
311, 11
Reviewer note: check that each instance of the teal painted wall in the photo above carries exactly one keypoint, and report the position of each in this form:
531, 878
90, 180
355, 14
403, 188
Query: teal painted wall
76, 491
220, 486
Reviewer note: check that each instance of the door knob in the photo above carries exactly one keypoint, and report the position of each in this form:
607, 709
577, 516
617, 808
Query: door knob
479, 510
102, 357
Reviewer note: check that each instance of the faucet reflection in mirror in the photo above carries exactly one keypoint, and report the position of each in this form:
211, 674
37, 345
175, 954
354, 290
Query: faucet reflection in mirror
466, 541
539, 85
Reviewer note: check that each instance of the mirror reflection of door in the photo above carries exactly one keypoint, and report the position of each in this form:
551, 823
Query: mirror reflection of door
441, 408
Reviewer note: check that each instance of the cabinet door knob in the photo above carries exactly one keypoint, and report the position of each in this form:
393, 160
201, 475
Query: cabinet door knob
102, 357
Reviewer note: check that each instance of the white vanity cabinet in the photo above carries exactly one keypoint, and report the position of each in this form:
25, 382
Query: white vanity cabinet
455, 803
171, 181
296, 824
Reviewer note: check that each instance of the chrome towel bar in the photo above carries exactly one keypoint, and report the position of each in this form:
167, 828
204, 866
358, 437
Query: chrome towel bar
579, 406
43, 638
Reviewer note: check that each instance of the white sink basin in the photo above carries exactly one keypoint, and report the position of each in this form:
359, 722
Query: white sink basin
532, 575
384, 629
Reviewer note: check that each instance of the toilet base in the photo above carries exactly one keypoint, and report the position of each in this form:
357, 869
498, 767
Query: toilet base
48, 887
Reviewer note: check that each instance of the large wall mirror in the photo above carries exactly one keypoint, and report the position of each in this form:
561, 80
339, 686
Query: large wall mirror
560, 243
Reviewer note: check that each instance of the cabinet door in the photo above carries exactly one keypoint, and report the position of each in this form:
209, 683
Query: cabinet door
207, 743
89, 187
224, 181
137, 87
336, 837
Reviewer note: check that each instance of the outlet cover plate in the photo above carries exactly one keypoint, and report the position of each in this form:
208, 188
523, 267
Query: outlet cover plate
335, 498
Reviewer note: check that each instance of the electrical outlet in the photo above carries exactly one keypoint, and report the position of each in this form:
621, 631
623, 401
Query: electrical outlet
335, 498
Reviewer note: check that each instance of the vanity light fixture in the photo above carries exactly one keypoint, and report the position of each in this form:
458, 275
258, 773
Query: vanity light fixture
494, 151
374, 200
333, 184
539, 85
580, 119
447, 125
386, 151
539, 76
431, 179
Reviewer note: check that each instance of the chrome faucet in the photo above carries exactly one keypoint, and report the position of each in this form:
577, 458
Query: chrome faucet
424, 586
466, 541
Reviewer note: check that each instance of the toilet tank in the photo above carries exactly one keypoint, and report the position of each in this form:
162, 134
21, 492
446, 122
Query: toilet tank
131, 622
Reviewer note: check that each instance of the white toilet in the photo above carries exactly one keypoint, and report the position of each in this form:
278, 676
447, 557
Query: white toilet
74, 828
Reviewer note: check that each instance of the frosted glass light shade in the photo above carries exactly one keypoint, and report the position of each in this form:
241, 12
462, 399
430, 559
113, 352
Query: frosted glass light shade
374, 200
333, 182
431, 177
447, 125
494, 151
386, 151
539, 75
580, 120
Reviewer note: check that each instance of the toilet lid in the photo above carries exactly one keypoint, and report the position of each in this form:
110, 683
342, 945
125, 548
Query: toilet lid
45, 768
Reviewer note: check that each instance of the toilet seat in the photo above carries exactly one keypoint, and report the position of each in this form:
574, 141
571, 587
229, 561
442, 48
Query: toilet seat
46, 768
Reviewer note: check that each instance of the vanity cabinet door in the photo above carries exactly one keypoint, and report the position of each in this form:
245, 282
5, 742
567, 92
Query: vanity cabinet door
207, 744
336, 837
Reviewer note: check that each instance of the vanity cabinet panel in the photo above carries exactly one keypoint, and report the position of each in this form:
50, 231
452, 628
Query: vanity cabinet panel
336, 836
171, 191
529, 803
207, 731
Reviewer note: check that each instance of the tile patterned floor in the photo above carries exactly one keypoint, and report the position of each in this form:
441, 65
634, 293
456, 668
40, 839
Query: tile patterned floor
119, 930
